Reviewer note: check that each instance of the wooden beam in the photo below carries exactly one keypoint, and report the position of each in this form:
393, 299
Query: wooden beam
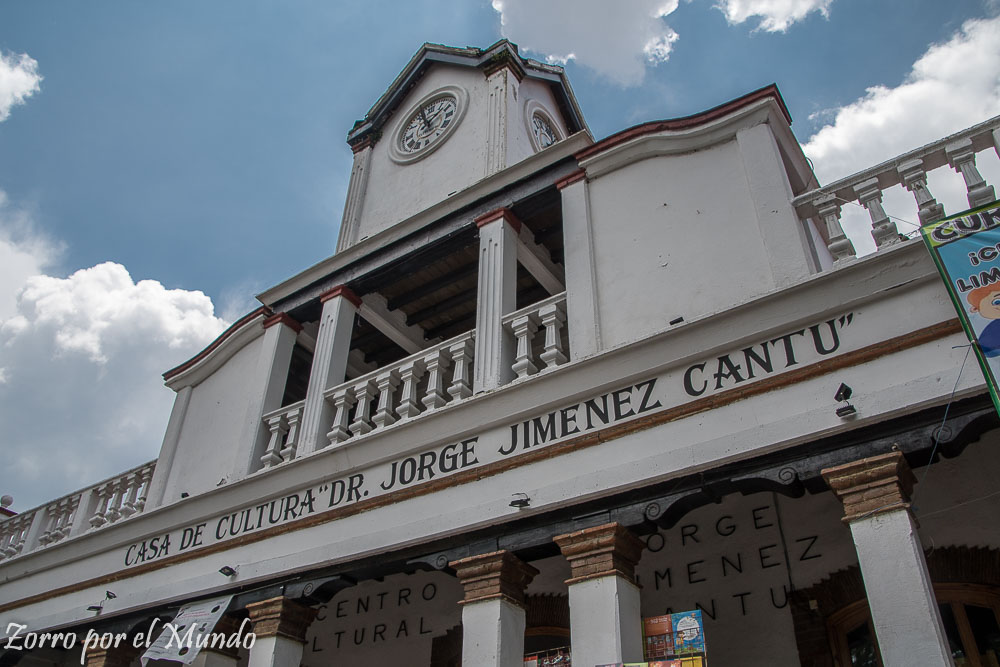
392, 323
536, 259
433, 285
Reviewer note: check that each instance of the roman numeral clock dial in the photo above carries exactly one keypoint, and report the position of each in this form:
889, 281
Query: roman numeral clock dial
428, 124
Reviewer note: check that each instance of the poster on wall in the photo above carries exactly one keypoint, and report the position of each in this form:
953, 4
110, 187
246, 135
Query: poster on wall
966, 250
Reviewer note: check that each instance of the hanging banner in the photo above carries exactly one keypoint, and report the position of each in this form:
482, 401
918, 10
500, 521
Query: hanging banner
190, 631
966, 250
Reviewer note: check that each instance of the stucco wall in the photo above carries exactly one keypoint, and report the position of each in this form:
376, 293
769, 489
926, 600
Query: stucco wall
670, 242
209, 442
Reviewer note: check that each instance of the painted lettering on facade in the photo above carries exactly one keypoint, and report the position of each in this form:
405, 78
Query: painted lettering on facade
763, 359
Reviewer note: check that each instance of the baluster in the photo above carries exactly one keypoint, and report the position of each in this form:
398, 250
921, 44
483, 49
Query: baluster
461, 353
65, 517
387, 383
962, 159
291, 442
553, 317
132, 486
47, 535
828, 209
278, 426
915, 180
363, 393
410, 374
114, 505
524, 328
100, 507
145, 475
436, 364
343, 400
883, 229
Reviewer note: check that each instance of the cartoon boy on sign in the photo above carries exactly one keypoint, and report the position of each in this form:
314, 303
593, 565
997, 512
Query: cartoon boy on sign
986, 301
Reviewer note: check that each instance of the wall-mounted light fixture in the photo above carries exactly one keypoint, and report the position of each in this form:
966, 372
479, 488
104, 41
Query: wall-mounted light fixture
98, 608
843, 394
228, 571
521, 500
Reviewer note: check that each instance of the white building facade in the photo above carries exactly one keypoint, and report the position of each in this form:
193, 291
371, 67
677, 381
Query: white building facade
546, 387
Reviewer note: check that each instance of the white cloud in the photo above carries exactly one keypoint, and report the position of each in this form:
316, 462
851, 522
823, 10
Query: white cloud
19, 80
775, 15
23, 253
616, 40
81, 397
952, 86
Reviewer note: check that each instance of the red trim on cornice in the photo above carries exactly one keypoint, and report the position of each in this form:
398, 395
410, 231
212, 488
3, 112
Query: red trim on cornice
341, 290
236, 326
6, 512
702, 118
363, 144
501, 213
575, 177
283, 318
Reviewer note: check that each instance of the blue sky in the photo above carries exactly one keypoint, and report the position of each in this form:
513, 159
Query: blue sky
160, 163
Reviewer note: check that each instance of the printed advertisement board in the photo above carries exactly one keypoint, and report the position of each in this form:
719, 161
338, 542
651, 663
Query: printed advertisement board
966, 250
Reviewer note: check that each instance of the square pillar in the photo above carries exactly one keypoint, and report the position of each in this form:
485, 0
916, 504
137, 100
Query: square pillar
876, 495
280, 332
329, 365
605, 621
496, 297
280, 625
493, 617
582, 299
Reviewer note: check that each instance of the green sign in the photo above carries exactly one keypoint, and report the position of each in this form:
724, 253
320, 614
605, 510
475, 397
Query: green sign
966, 249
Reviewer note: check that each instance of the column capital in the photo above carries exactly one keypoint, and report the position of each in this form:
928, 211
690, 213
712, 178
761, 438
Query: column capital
281, 617
601, 551
341, 290
500, 213
871, 486
496, 575
503, 60
283, 318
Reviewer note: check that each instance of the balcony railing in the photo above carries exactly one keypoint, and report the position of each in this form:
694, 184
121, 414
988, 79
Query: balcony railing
534, 355
419, 383
104, 503
283, 425
957, 151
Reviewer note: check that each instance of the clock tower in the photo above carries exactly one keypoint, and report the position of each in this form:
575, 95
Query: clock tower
452, 118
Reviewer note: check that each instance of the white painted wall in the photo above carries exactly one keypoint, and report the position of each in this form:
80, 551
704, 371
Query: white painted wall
210, 433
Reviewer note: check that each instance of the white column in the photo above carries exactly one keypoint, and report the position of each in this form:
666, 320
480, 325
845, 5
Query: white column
280, 626
329, 365
268, 385
784, 235
493, 618
356, 190
604, 616
582, 311
875, 492
497, 296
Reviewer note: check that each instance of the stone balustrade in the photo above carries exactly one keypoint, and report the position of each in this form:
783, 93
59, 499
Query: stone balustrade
14, 533
283, 426
533, 353
121, 496
104, 503
909, 170
419, 383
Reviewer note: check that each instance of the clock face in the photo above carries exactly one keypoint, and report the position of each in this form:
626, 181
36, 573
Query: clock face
545, 136
428, 125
